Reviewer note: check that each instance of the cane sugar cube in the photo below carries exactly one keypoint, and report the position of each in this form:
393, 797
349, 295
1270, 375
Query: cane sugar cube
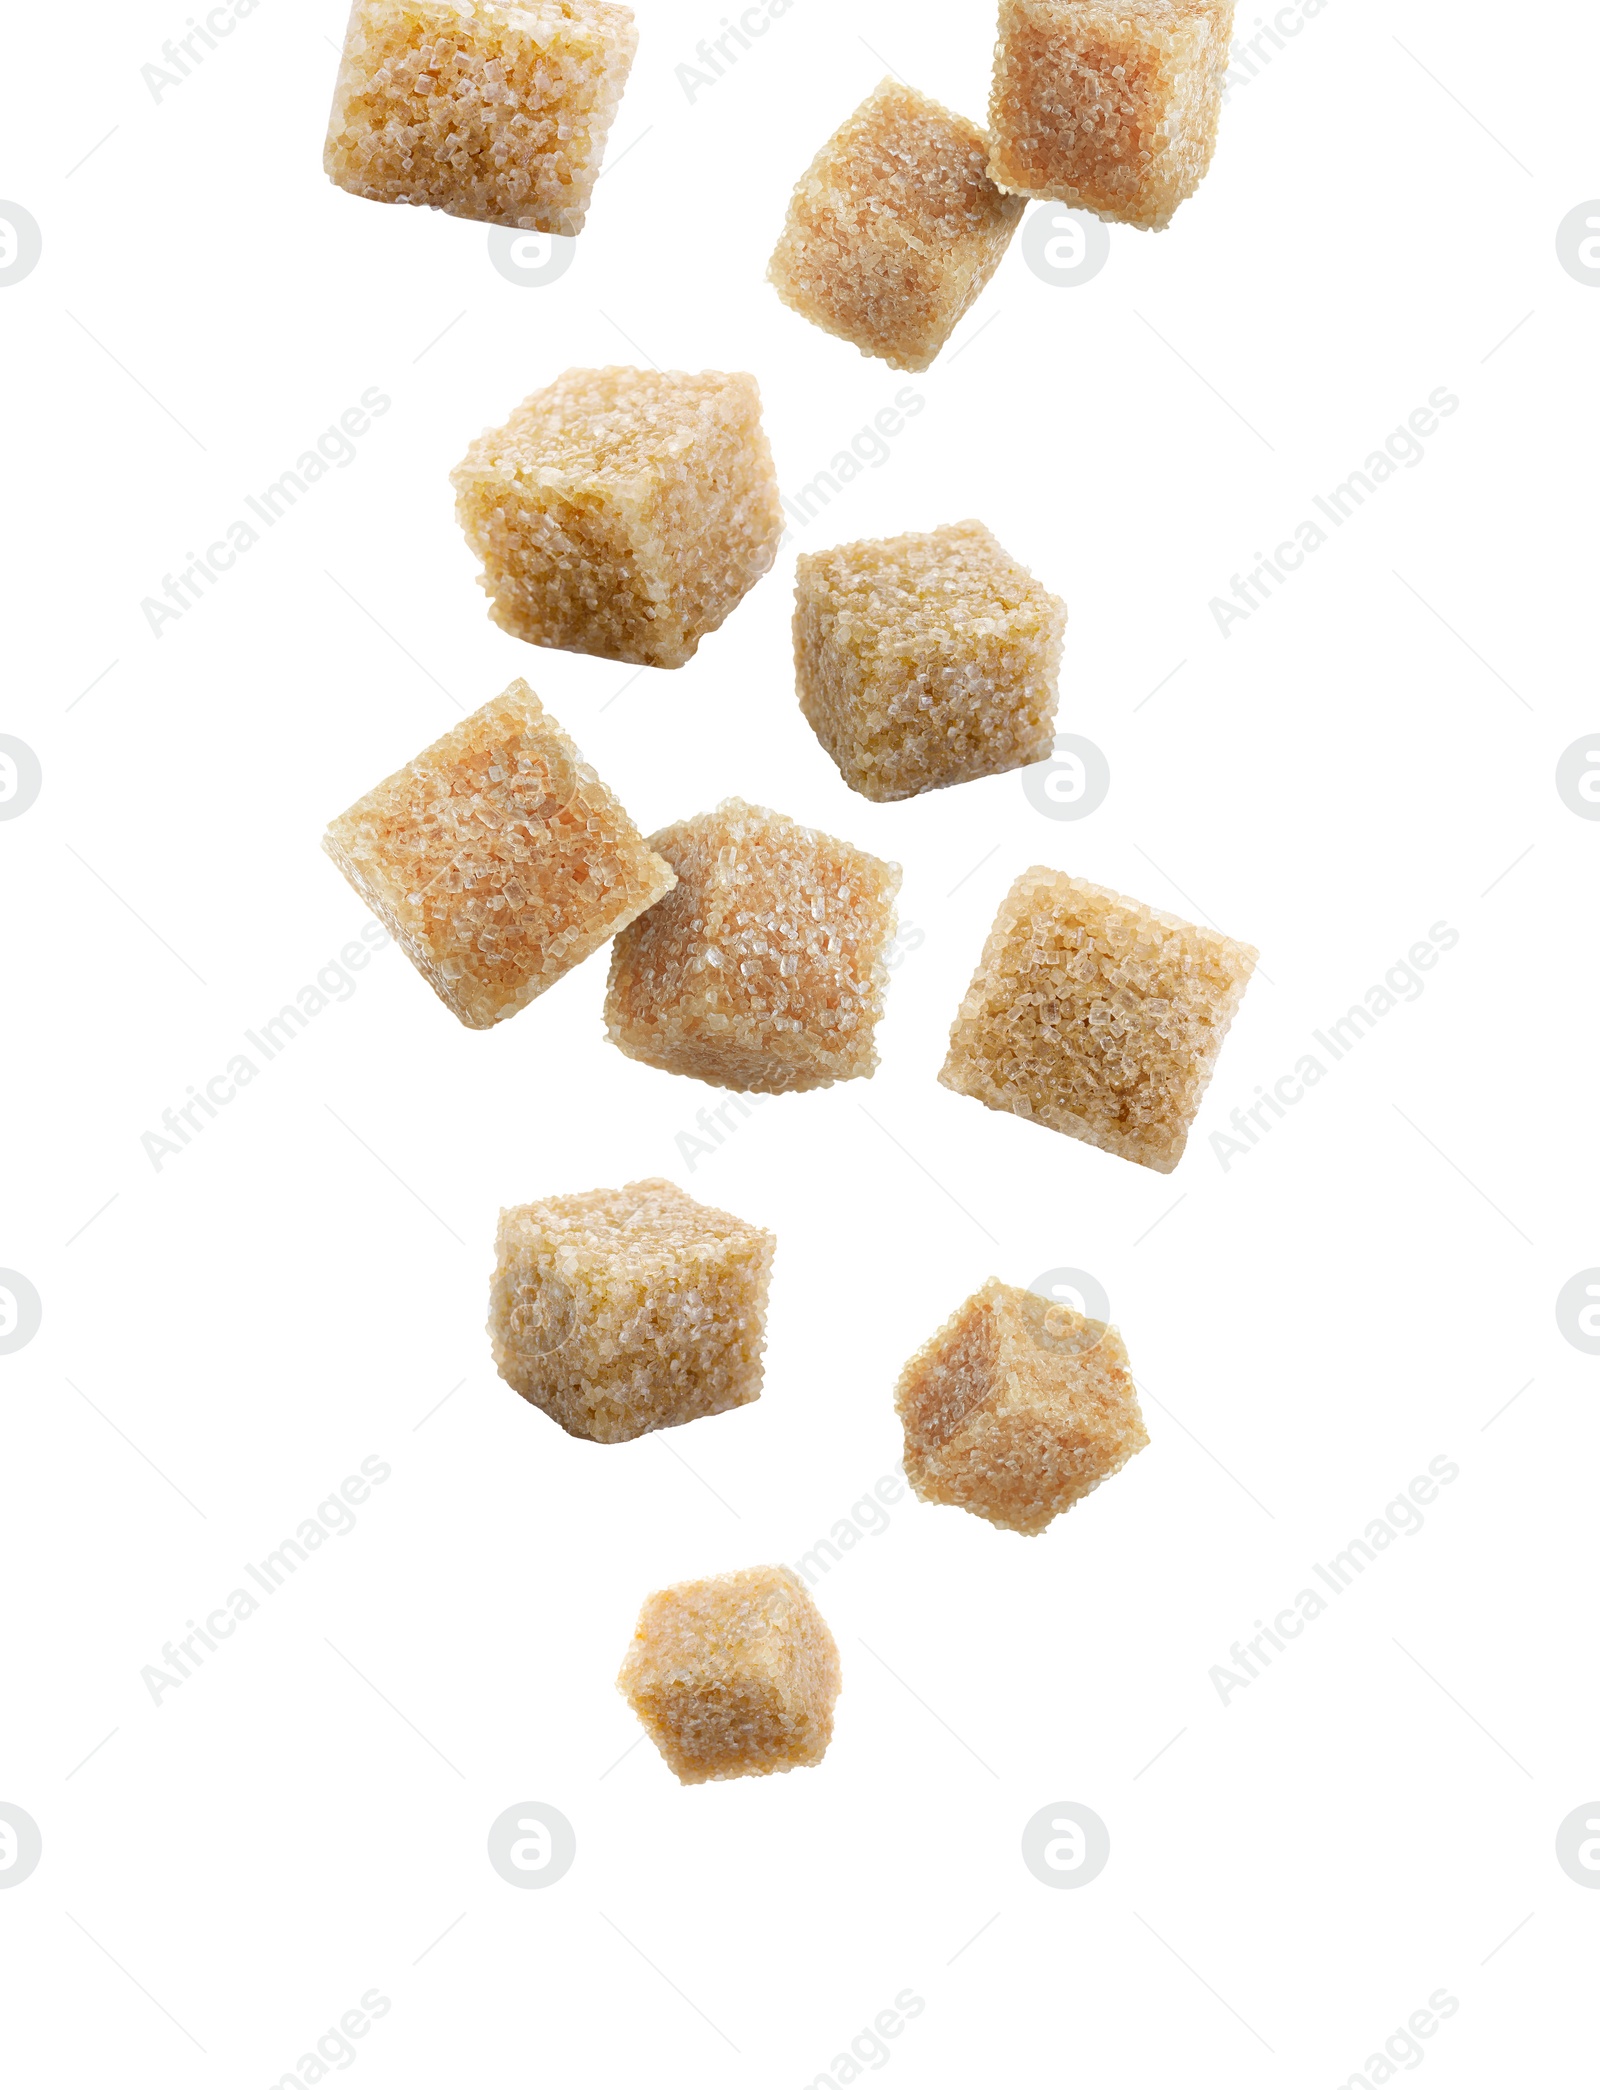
497, 860
498, 113
894, 228
734, 1676
926, 660
1110, 105
623, 1311
623, 512
1097, 1016
765, 969
1017, 1408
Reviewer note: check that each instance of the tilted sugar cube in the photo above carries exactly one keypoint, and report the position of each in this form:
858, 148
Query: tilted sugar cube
487, 111
623, 512
1097, 1016
1017, 1408
497, 859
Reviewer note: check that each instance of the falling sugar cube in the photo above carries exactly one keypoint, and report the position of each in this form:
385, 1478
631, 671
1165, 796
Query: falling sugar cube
1110, 105
735, 1676
766, 968
623, 512
1097, 1016
926, 660
497, 859
894, 228
623, 1311
1017, 1408
498, 113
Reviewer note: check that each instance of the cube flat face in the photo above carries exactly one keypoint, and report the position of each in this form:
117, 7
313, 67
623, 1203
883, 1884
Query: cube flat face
1017, 1409
498, 113
622, 512
894, 228
767, 972
1110, 105
926, 660
735, 1676
623, 1311
1097, 1016
497, 859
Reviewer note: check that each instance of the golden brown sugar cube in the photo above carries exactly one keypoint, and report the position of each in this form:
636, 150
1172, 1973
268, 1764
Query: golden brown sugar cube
926, 660
734, 1676
497, 860
894, 228
623, 512
623, 1311
1097, 1016
1110, 105
1017, 1408
498, 113
765, 967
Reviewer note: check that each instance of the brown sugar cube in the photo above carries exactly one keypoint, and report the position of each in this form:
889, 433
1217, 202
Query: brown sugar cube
734, 1676
926, 660
623, 512
1017, 1408
497, 860
623, 1311
1111, 105
894, 228
765, 968
1097, 1016
498, 113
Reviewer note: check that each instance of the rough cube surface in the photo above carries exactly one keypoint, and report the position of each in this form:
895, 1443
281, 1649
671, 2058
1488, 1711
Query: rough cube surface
1097, 1016
623, 1311
926, 660
894, 228
497, 859
734, 1676
623, 512
1108, 104
765, 968
1017, 1408
493, 112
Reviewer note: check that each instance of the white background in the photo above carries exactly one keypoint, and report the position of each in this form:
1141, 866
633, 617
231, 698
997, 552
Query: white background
304, 1284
